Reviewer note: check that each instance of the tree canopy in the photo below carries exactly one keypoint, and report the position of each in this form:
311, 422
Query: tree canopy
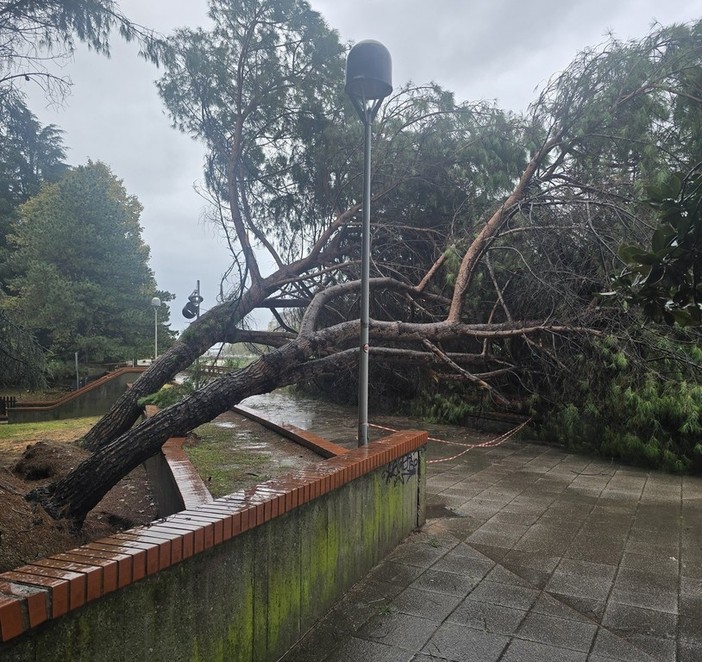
34, 34
83, 280
259, 88
37, 40
493, 234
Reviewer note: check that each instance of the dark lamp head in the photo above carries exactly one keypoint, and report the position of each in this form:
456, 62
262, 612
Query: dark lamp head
368, 71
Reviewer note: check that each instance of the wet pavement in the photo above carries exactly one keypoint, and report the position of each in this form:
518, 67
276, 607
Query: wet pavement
530, 553
333, 422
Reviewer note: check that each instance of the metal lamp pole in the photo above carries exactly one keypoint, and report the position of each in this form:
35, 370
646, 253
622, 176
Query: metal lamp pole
368, 82
155, 304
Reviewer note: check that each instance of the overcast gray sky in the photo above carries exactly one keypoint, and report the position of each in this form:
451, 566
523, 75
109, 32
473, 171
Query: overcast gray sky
479, 49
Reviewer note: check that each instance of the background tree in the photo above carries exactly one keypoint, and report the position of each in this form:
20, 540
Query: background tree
22, 359
84, 283
29, 154
36, 34
37, 38
501, 298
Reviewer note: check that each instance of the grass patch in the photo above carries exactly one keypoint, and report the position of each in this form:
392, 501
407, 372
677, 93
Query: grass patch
63, 430
15, 437
224, 468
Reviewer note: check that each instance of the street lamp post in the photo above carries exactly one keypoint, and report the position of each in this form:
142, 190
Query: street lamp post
155, 304
368, 82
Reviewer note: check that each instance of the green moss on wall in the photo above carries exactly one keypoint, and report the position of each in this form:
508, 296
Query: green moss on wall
249, 598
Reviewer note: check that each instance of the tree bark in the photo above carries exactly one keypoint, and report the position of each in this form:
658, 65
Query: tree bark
193, 343
74, 495
218, 324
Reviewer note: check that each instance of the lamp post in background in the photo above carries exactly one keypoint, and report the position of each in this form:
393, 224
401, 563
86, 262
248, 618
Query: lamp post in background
368, 82
155, 304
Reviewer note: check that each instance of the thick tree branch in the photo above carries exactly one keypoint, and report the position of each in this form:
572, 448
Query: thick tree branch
481, 384
491, 227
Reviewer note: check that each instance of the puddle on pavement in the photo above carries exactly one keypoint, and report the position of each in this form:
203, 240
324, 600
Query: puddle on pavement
437, 510
248, 436
246, 453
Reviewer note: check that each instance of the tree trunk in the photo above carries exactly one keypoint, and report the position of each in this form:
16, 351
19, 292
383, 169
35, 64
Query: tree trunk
74, 495
77, 493
216, 325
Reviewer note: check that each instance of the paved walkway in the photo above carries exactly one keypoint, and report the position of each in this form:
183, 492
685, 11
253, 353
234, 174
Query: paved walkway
531, 554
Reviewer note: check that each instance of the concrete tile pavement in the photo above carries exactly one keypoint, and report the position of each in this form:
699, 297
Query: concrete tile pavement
531, 553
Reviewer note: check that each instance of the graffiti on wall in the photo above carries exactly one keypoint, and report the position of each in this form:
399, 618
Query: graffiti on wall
399, 472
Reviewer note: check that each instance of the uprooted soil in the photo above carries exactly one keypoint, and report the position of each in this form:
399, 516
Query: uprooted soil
28, 533
232, 454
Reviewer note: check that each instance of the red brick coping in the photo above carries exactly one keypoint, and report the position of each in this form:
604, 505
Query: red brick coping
191, 487
193, 490
51, 587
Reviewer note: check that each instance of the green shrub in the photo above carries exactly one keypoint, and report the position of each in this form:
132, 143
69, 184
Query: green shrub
450, 407
168, 395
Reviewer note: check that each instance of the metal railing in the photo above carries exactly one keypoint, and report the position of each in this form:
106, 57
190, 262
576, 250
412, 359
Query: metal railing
6, 402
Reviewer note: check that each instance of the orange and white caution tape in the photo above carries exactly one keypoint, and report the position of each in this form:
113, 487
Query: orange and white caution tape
468, 447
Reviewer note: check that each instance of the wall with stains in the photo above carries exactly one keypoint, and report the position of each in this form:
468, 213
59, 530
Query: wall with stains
241, 578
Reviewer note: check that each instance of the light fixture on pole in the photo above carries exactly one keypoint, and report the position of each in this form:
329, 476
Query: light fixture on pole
191, 309
368, 82
155, 304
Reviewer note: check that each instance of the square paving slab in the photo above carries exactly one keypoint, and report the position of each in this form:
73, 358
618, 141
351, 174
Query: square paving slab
531, 553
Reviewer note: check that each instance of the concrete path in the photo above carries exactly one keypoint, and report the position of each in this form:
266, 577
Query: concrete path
531, 554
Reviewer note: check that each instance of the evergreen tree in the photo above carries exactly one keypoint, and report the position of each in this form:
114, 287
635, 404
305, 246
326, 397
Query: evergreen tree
84, 283
503, 302
30, 154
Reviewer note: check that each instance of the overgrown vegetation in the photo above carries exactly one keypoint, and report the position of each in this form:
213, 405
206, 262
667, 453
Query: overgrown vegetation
648, 418
221, 465
493, 236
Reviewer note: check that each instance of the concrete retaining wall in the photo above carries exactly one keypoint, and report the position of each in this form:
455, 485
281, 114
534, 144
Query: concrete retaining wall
94, 399
241, 578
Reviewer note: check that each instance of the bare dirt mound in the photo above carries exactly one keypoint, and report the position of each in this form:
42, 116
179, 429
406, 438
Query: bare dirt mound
27, 533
